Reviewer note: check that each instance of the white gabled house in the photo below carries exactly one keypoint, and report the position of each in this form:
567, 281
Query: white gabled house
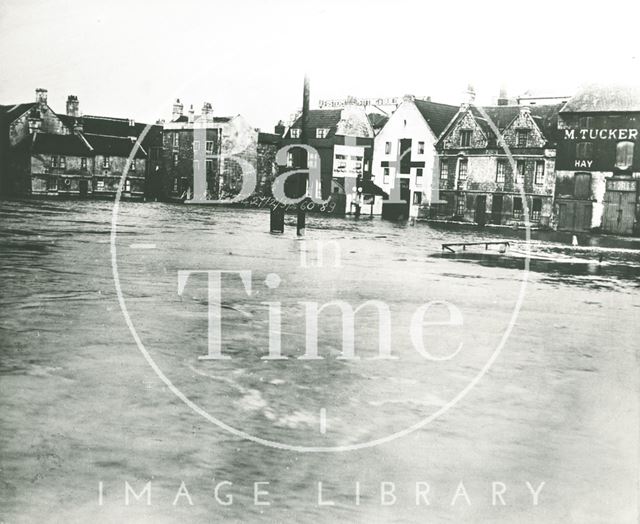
404, 155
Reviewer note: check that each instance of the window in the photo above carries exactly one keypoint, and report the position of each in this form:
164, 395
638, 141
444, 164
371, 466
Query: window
322, 132
582, 187
54, 161
176, 140
460, 207
421, 148
387, 148
209, 166
417, 198
100, 185
517, 207
463, 167
52, 183
127, 185
132, 122
175, 159
83, 163
289, 159
196, 145
501, 171
539, 178
586, 122
209, 147
63, 162
465, 138
132, 167
419, 176
295, 132
521, 137
624, 155
536, 209
584, 150
444, 173
175, 185
385, 176
520, 168
105, 162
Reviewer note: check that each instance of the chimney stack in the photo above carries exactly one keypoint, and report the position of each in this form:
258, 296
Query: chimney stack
191, 115
73, 106
41, 96
471, 94
279, 129
177, 110
207, 109
503, 98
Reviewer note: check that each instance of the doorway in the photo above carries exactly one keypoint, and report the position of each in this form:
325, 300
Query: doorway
84, 188
496, 209
619, 207
481, 210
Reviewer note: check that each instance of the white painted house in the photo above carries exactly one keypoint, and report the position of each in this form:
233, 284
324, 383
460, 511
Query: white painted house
404, 154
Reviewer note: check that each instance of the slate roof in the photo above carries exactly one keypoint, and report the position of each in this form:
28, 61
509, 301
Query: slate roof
601, 98
71, 145
113, 145
14, 111
545, 116
319, 118
377, 120
436, 115
268, 138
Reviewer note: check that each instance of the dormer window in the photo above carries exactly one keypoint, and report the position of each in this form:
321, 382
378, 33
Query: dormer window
465, 138
295, 132
322, 132
132, 122
522, 137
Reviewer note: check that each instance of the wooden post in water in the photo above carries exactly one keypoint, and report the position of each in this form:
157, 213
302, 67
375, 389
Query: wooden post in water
302, 184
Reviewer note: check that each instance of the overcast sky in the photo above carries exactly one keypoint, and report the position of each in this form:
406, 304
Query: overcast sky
132, 58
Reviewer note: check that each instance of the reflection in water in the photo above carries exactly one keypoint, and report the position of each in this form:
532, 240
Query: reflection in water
80, 405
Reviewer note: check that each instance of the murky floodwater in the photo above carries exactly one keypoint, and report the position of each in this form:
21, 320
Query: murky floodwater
82, 406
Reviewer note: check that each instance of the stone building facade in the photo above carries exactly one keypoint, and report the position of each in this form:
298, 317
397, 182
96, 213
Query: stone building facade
218, 149
47, 154
478, 182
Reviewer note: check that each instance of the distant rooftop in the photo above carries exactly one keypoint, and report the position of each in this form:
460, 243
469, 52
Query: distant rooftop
602, 98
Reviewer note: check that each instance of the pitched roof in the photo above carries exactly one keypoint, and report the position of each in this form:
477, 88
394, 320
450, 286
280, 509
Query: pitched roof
545, 117
377, 120
14, 111
436, 115
113, 145
268, 138
320, 118
71, 145
601, 98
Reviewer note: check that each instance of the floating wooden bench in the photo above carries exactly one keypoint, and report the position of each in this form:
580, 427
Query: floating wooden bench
465, 244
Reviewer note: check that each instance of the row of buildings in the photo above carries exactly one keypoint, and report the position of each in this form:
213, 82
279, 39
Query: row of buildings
566, 163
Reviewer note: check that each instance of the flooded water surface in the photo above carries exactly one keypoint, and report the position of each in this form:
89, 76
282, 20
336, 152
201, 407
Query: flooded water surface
497, 384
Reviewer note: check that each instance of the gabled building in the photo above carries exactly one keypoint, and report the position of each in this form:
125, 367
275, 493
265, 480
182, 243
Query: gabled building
343, 140
215, 146
47, 154
477, 180
598, 161
404, 154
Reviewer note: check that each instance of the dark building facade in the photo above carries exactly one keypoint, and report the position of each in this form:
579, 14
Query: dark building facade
477, 180
46, 154
598, 161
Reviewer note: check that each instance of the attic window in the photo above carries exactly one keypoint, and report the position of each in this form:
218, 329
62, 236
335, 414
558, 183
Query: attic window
465, 138
624, 155
295, 132
521, 137
132, 122
322, 132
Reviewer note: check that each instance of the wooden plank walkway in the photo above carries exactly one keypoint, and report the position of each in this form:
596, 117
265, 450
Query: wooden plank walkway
465, 244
